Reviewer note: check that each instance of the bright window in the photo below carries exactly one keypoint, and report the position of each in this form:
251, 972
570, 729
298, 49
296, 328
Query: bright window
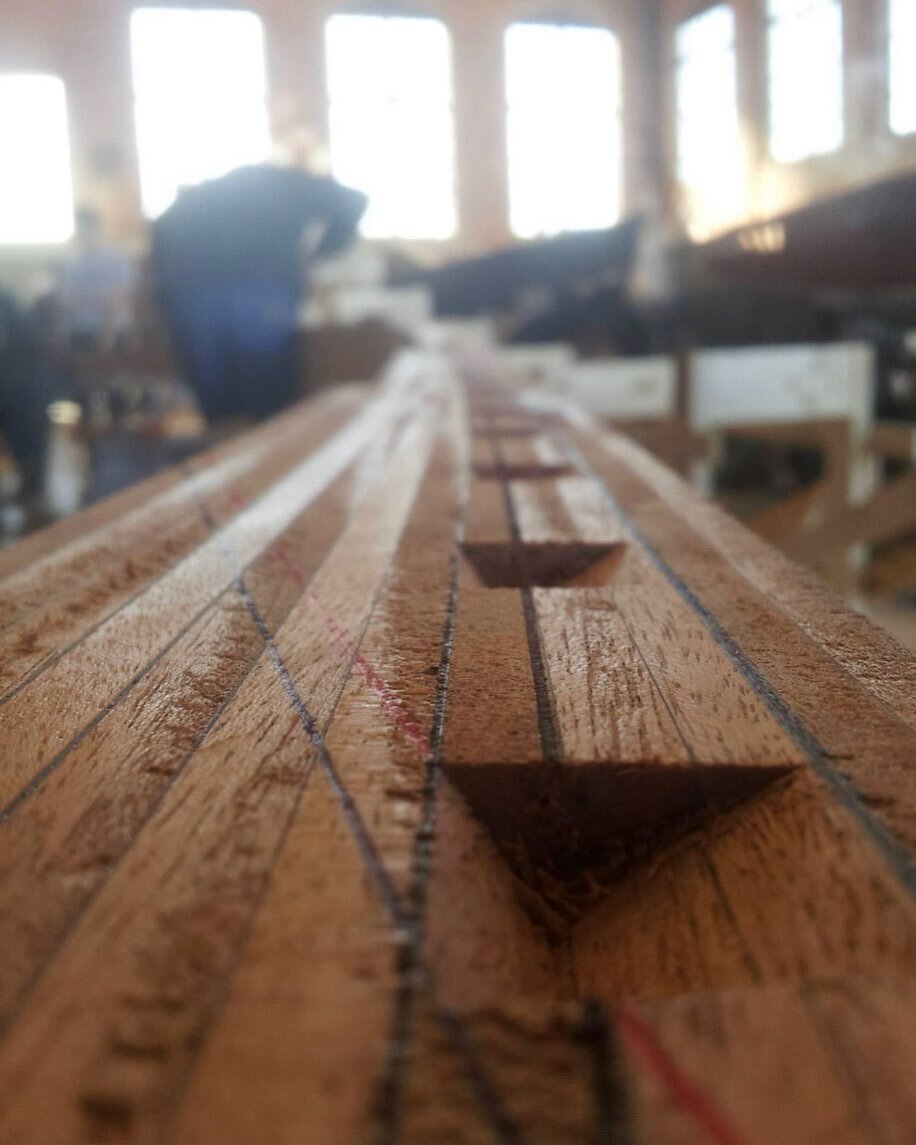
709, 145
903, 65
36, 188
392, 122
806, 78
563, 95
199, 97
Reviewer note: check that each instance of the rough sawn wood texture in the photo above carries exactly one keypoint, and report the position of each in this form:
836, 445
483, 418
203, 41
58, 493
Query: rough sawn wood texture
428, 766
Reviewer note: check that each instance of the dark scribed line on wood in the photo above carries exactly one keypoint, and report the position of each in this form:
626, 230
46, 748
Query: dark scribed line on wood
212, 1014
402, 719
35, 784
610, 1098
487, 1098
370, 856
371, 859
413, 975
895, 853
489, 1101
53, 764
660, 691
400, 716
37, 781
547, 725
864, 1098
49, 662
180, 768
643, 1045
747, 953
393, 1083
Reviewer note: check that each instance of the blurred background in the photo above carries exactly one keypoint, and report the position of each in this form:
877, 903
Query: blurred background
698, 220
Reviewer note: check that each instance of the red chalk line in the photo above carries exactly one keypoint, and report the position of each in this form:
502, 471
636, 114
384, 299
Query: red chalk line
641, 1041
392, 704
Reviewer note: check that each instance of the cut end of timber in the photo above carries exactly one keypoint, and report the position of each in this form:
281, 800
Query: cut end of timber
566, 830
546, 565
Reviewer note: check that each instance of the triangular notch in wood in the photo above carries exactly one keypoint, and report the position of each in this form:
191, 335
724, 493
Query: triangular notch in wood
512, 428
544, 565
523, 472
566, 830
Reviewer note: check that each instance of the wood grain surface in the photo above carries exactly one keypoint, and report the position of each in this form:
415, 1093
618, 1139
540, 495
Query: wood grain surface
430, 765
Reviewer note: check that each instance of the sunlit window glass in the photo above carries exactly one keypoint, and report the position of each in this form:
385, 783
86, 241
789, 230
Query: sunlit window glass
36, 189
563, 96
903, 65
806, 78
392, 122
708, 142
200, 97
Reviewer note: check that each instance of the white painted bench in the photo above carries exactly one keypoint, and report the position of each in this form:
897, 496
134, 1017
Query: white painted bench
813, 394
626, 389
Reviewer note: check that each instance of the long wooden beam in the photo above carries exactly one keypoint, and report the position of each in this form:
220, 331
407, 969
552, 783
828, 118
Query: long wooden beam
431, 766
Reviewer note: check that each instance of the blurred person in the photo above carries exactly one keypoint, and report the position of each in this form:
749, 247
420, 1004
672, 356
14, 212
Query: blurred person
230, 260
24, 397
95, 291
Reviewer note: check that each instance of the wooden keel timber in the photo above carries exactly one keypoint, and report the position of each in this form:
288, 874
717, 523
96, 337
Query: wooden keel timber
447, 773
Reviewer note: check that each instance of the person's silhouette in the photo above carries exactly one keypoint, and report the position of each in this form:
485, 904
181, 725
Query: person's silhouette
229, 260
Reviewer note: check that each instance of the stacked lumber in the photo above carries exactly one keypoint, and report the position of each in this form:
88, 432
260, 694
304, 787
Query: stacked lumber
429, 766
